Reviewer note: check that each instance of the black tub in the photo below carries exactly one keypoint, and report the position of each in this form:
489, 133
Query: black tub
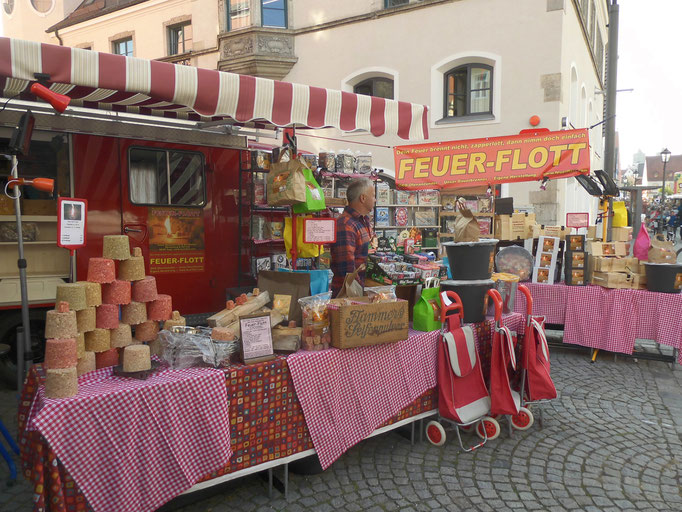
474, 295
664, 277
471, 260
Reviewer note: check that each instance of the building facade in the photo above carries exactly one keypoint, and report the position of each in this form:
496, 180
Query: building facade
483, 67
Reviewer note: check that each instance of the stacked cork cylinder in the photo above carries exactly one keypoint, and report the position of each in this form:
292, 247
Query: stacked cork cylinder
97, 319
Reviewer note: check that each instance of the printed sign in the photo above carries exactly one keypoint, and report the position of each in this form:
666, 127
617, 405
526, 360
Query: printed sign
319, 231
176, 240
72, 216
493, 160
256, 334
577, 220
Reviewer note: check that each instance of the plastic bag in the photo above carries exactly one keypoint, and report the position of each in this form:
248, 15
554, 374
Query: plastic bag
642, 244
304, 250
381, 293
192, 346
316, 331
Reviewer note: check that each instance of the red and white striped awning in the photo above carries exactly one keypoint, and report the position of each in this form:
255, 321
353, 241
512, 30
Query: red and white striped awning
127, 84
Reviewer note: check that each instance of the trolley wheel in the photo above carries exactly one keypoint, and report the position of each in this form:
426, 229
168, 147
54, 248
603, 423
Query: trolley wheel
435, 433
492, 428
523, 420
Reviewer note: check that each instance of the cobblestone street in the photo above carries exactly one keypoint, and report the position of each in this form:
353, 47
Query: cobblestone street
611, 442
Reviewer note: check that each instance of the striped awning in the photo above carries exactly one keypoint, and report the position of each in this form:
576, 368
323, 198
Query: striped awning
139, 86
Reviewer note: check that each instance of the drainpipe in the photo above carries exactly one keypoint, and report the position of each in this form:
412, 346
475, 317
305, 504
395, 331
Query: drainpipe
56, 33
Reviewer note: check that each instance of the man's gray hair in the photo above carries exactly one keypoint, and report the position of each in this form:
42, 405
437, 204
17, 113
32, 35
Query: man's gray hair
358, 187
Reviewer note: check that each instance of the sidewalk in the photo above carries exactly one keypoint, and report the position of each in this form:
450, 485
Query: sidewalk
611, 442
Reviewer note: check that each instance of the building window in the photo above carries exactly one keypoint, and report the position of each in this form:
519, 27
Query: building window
584, 10
468, 91
395, 3
274, 13
8, 5
42, 6
593, 16
379, 87
238, 14
123, 47
180, 38
158, 174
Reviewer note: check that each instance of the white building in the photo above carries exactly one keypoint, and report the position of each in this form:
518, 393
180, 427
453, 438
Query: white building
484, 67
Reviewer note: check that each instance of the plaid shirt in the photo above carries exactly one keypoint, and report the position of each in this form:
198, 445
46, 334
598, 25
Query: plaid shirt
353, 234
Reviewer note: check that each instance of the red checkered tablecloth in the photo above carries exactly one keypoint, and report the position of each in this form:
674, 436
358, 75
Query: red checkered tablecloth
609, 319
119, 438
346, 394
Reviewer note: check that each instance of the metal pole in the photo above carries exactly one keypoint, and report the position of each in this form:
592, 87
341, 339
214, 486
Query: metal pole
663, 189
20, 358
21, 263
611, 86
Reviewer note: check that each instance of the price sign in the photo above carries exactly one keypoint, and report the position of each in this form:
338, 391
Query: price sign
319, 231
72, 217
577, 220
256, 334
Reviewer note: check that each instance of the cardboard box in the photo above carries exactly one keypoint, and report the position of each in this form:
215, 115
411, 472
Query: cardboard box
575, 260
610, 279
601, 263
608, 248
360, 325
621, 234
575, 243
544, 275
591, 232
619, 264
556, 231
512, 227
576, 276
636, 281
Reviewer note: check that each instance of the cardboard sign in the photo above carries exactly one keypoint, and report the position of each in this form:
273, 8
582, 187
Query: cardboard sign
319, 231
493, 160
577, 220
256, 336
72, 222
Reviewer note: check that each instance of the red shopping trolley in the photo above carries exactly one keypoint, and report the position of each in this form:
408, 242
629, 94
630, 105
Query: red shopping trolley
463, 399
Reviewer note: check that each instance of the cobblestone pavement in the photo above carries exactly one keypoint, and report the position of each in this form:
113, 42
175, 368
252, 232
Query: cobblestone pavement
611, 442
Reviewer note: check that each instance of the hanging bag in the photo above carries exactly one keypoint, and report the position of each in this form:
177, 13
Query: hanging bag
642, 244
466, 226
286, 181
314, 197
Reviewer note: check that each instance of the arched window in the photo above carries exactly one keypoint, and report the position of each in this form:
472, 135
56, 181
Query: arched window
377, 86
42, 6
8, 5
468, 91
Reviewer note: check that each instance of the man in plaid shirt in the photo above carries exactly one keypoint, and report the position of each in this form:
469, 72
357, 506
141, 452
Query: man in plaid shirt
353, 232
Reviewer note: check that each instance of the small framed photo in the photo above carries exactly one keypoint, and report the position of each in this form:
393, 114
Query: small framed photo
256, 336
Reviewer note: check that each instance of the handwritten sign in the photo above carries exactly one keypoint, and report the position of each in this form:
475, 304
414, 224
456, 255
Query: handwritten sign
256, 334
71, 222
319, 231
577, 220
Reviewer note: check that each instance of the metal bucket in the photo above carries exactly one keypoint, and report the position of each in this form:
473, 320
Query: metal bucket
506, 284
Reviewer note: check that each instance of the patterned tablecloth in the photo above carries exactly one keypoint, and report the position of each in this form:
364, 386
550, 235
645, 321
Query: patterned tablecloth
609, 319
127, 431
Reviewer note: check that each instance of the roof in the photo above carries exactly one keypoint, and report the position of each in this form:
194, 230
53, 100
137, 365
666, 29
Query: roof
126, 84
654, 167
89, 9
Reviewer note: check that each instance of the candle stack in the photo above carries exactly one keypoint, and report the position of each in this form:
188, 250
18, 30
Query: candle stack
61, 354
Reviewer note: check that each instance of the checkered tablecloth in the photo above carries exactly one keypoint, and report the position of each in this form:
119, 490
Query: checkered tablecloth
132, 445
609, 319
347, 394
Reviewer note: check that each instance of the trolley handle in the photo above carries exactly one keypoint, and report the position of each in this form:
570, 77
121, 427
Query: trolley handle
450, 302
497, 300
529, 299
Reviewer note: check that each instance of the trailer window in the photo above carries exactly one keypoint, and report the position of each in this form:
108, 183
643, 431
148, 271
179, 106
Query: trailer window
159, 176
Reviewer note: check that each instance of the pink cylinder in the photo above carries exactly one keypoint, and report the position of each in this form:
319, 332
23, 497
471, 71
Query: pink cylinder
160, 309
146, 331
60, 353
101, 270
145, 290
107, 316
117, 292
106, 358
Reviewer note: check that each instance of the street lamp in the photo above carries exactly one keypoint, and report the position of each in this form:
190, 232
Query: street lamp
665, 157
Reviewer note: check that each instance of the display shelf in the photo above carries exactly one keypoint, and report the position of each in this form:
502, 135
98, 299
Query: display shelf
355, 175
32, 242
406, 227
267, 241
475, 214
263, 208
411, 205
29, 218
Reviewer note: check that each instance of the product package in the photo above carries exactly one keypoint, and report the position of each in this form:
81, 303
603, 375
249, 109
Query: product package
316, 332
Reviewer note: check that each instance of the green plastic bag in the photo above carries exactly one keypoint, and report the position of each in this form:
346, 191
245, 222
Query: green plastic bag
426, 312
314, 198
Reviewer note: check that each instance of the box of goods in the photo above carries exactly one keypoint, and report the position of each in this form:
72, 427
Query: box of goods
274, 230
610, 279
620, 264
591, 232
258, 223
529, 221
429, 197
327, 188
636, 281
261, 160
510, 227
575, 276
39, 207
304, 263
364, 323
327, 160
345, 162
384, 194
402, 197
383, 217
29, 232
258, 264
621, 234
363, 163
575, 259
608, 248
485, 205
430, 237
425, 217
448, 203
575, 243
485, 225
402, 216
556, 231
279, 261
309, 160
340, 191
398, 273
543, 275
259, 189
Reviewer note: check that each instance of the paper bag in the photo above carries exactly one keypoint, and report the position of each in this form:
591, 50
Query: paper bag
296, 284
466, 225
662, 251
351, 287
286, 183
